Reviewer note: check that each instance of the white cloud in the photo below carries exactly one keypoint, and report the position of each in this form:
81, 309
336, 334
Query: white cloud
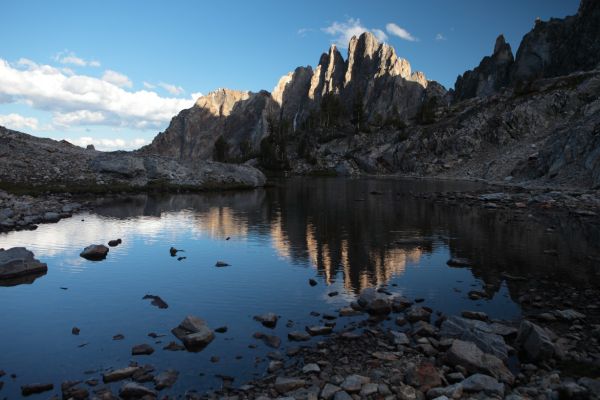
343, 31
149, 85
68, 57
302, 32
17, 122
402, 33
116, 78
172, 89
80, 117
108, 144
82, 99
440, 37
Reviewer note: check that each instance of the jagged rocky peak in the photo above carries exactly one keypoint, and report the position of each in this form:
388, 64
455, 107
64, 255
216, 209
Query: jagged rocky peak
492, 74
369, 58
329, 74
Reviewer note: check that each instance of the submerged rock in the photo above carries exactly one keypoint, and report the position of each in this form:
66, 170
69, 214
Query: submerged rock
119, 374
94, 252
166, 379
18, 262
132, 390
156, 301
142, 350
221, 264
269, 319
35, 388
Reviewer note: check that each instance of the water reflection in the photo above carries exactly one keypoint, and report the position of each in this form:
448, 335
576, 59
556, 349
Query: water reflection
350, 233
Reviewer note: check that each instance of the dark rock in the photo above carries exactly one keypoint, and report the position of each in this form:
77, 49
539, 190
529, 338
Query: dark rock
221, 264
424, 376
298, 336
319, 330
284, 385
142, 350
469, 356
269, 340
75, 330
477, 332
94, 252
132, 390
156, 301
114, 243
269, 319
27, 390
312, 282
119, 374
165, 379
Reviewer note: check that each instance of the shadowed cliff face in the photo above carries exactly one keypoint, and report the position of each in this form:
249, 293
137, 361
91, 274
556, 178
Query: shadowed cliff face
552, 48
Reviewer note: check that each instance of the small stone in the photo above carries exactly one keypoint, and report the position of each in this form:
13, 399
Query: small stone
298, 336
319, 330
353, 383
284, 385
311, 368
221, 264
269, 319
478, 315
119, 374
329, 391
114, 243
75, 330
312, 282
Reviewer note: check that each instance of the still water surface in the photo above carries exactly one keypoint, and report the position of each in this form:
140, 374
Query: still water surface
337, 231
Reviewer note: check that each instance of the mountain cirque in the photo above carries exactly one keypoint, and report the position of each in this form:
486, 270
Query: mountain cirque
529, 119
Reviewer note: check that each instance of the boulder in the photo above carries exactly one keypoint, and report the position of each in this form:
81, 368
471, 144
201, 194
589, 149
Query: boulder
470, 357
194, 333
478, 332
374, 302
94, 252
415, 314
534, 341
18, 262
424, 376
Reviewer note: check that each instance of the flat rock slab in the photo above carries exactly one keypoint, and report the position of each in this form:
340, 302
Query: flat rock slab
284, 385
18, 262
119, 374
298, 336
27, 390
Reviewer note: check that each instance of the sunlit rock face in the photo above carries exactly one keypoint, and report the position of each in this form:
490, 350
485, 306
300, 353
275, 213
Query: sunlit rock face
239, 118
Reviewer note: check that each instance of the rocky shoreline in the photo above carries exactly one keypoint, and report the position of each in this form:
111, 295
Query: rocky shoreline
399, 348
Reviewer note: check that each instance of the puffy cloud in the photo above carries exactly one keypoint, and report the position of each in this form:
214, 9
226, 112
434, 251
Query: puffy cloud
402, 33
116, 78
81, 99
17, 122
343, 31
172, 89
68, 57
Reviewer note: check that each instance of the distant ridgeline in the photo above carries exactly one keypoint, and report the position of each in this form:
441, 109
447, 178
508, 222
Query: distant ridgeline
529, 117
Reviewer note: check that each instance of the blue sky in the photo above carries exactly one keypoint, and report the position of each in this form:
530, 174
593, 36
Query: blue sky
112, 73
